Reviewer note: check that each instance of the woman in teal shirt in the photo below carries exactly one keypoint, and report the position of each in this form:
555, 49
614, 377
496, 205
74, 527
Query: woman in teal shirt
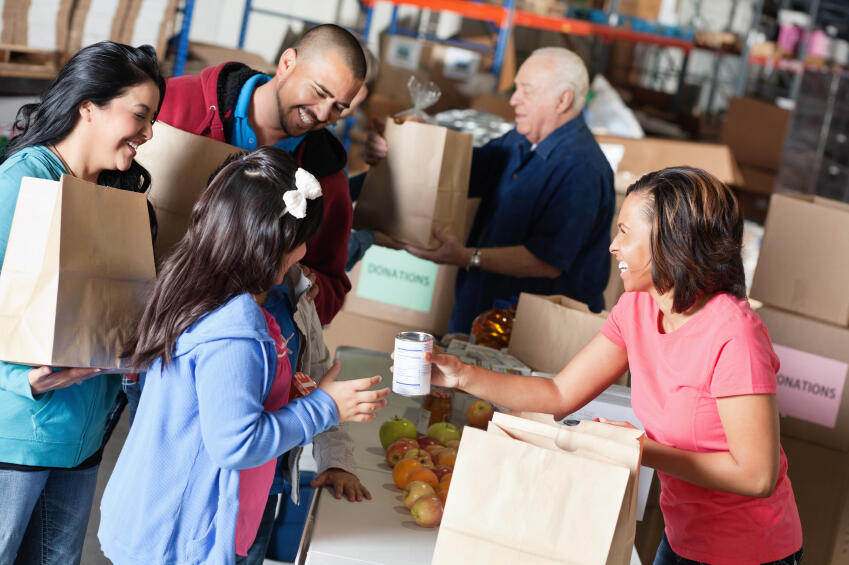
88, 124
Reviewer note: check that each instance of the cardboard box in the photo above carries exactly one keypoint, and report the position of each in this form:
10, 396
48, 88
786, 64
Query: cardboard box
812, 393
352, 329
549, 330
803, 264
755, 131
820, 479
397, 287
644, 9
93, 21
646, 155
151, 22
494, 104
757, 180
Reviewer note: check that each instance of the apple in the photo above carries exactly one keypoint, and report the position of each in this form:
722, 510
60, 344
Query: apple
397, 450
432, 449
425, 441
455, 443
446, 457
479, 413
419, 455
441, 470
444, 431
427, 511
394, 429
414, 491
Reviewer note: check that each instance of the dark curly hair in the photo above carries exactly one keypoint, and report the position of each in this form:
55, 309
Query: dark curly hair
696, 235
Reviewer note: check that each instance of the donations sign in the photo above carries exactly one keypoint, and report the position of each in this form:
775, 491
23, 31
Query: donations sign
810, 386
398, 278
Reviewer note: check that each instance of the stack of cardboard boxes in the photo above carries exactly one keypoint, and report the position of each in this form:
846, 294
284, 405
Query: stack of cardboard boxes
802, 277
38, 37
755, 131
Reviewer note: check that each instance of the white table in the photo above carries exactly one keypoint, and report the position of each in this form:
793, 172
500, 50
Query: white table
380, 531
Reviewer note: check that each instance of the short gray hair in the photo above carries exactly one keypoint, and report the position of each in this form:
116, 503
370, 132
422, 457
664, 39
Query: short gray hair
568, 72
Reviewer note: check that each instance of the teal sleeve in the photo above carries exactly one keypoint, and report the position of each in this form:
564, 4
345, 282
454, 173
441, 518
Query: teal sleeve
14, 378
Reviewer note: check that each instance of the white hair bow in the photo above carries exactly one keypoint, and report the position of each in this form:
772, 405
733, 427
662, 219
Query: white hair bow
307, 188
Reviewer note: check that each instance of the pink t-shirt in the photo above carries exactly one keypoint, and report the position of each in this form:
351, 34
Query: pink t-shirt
255, 483
723, 350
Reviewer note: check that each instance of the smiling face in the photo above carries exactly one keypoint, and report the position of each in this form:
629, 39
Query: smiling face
632, 244
538, 103
313, 92
118, 128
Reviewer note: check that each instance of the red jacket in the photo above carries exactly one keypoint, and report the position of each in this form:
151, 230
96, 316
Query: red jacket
204, 104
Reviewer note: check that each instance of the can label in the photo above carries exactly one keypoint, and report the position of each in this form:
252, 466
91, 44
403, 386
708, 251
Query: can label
411, 373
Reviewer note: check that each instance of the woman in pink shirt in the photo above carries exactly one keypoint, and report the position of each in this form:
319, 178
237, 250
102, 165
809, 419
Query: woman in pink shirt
703, 375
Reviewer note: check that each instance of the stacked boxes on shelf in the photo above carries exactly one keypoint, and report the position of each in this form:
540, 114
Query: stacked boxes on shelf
802, 277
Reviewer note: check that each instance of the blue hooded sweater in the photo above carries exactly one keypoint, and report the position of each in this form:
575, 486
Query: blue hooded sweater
173, 496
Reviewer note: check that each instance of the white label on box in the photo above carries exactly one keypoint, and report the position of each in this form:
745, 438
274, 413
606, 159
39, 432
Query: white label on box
810, 386
404, 52
460, 64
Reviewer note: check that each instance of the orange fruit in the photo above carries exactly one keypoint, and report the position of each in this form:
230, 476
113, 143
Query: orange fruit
424, 474
401, 471
446, 457
445, 481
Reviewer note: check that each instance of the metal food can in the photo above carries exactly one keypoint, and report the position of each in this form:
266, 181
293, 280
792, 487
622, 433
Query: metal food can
411, 373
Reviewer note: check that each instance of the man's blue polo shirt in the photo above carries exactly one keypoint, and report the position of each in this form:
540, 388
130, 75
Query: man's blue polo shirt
243, 135
557, 200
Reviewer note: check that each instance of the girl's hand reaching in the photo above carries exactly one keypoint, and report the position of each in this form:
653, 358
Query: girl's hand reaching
354, 402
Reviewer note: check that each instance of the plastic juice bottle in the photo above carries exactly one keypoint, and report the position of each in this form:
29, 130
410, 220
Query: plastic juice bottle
492, 328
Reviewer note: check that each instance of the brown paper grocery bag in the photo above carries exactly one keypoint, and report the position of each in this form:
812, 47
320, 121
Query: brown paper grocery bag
78, 266
533, 492
180, 164
422, 184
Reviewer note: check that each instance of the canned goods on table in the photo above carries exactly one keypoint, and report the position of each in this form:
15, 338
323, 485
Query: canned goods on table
411, 373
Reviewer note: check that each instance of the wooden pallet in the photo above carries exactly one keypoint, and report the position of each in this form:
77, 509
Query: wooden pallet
26, 62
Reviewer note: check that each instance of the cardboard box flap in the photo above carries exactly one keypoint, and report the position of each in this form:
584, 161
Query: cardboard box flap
651, 154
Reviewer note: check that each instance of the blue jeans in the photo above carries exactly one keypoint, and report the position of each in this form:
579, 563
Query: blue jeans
256, 554
44, 515
133, 391
666, 556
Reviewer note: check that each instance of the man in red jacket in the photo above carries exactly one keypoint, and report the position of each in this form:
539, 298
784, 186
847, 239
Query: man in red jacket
315, 81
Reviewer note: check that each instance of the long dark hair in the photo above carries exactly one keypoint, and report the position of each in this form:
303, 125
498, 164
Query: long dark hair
237, 236
696, 235
97, 73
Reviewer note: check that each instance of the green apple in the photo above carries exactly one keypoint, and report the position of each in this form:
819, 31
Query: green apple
394, 429
443, 431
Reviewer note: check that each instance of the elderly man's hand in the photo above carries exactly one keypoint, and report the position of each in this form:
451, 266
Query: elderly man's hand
376, 146
449, 252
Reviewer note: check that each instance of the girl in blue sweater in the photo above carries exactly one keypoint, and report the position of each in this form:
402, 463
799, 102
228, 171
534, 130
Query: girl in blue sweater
173, 496
88, 124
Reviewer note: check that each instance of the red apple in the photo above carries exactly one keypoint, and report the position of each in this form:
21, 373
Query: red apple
427, 511
431, 449
446, 457
419, 455
441, 470
425, 441
414, 491
397, 450
455, 443
479, 413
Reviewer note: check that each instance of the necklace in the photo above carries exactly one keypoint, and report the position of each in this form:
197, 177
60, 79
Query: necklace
65, 163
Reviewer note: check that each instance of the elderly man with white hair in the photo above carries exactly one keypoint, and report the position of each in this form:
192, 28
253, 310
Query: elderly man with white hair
547, 198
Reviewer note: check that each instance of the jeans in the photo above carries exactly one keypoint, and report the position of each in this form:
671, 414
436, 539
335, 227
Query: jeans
256, 554
133, 391
44, 515
666, 556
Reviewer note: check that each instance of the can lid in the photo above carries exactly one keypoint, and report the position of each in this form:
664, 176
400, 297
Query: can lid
439, 392
414, 336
